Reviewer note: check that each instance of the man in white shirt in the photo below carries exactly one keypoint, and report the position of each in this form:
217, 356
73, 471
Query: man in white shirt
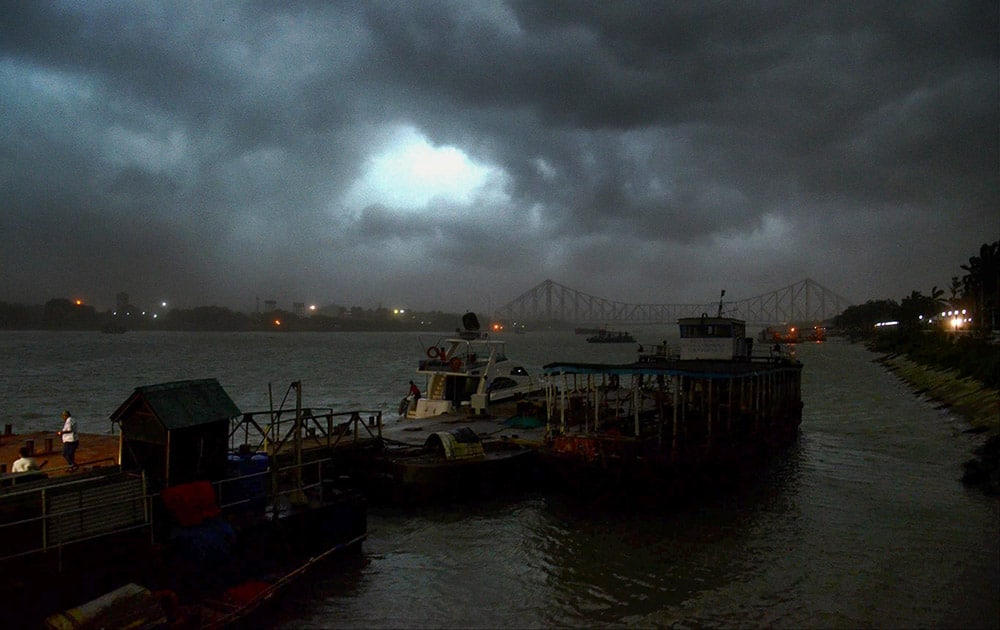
70, 439
26, 463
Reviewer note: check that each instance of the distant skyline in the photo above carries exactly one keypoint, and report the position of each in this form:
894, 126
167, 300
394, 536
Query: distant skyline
451, 154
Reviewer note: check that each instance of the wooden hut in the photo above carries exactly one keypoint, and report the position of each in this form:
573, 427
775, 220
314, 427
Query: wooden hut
176, 432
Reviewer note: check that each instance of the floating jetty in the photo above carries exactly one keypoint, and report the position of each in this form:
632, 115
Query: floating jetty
97, 451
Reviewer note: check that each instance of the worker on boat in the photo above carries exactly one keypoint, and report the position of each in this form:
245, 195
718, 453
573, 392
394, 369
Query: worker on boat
70, 439
414, 391
26, 463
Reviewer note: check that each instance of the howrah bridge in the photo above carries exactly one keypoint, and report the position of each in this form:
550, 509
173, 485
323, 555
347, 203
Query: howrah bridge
803, 301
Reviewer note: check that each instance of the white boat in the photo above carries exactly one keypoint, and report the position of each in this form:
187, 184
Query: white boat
468, 370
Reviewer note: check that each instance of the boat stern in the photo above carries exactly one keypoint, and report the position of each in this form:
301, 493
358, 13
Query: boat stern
429, 408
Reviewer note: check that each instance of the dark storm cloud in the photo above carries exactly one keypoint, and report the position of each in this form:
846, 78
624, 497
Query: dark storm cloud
213, 153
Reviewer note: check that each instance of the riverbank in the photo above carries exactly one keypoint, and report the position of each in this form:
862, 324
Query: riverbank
979, 404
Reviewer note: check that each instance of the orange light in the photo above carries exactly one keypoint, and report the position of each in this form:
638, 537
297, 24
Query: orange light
79, 302
277, 322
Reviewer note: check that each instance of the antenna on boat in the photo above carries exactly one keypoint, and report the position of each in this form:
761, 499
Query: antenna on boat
720, 303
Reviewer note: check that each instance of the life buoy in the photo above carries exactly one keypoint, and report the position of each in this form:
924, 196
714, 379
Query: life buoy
432, 352
455, 364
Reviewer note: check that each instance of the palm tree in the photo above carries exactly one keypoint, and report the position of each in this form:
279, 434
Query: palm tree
982, 284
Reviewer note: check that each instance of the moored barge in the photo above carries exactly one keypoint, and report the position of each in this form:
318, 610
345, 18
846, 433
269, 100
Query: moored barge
675, 421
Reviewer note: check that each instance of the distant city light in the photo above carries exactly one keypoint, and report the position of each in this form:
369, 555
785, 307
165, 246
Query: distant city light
277, 322
163, 304
882, 324
79, 302
399, 311
312, 307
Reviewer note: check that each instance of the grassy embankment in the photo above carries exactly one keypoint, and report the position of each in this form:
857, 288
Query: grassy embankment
963, 375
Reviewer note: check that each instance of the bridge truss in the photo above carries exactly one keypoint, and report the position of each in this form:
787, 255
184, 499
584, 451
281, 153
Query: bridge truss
804, 301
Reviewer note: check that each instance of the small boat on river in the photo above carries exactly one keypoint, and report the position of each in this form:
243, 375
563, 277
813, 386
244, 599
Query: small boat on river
609, 336
470, 370
676, 420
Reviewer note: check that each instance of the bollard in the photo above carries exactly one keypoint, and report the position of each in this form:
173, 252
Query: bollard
31, 447
48, 445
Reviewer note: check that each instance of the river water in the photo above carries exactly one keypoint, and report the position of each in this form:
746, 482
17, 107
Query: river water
863, 523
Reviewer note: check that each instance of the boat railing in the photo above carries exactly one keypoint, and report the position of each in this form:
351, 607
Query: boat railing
275, 488
50, 517
275, 431
10, 480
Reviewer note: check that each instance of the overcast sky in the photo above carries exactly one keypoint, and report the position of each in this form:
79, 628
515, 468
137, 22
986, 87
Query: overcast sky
452, 155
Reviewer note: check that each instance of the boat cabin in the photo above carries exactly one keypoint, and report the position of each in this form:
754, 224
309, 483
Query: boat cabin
176, 432
714, 338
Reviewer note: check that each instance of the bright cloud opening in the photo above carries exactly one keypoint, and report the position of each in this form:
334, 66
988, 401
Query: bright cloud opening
408, 173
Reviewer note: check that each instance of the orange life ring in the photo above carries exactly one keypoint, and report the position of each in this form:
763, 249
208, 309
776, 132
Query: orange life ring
432, 352
455, 364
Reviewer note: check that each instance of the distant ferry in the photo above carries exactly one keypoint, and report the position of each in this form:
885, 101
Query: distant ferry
607, 336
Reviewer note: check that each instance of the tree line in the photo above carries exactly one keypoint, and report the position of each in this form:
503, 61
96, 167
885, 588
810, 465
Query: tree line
65, 314
919, 332
977, 292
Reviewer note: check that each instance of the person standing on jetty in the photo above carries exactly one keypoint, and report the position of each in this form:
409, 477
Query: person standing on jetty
70, 439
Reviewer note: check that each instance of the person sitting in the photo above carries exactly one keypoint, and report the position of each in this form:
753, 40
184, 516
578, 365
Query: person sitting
26, 463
